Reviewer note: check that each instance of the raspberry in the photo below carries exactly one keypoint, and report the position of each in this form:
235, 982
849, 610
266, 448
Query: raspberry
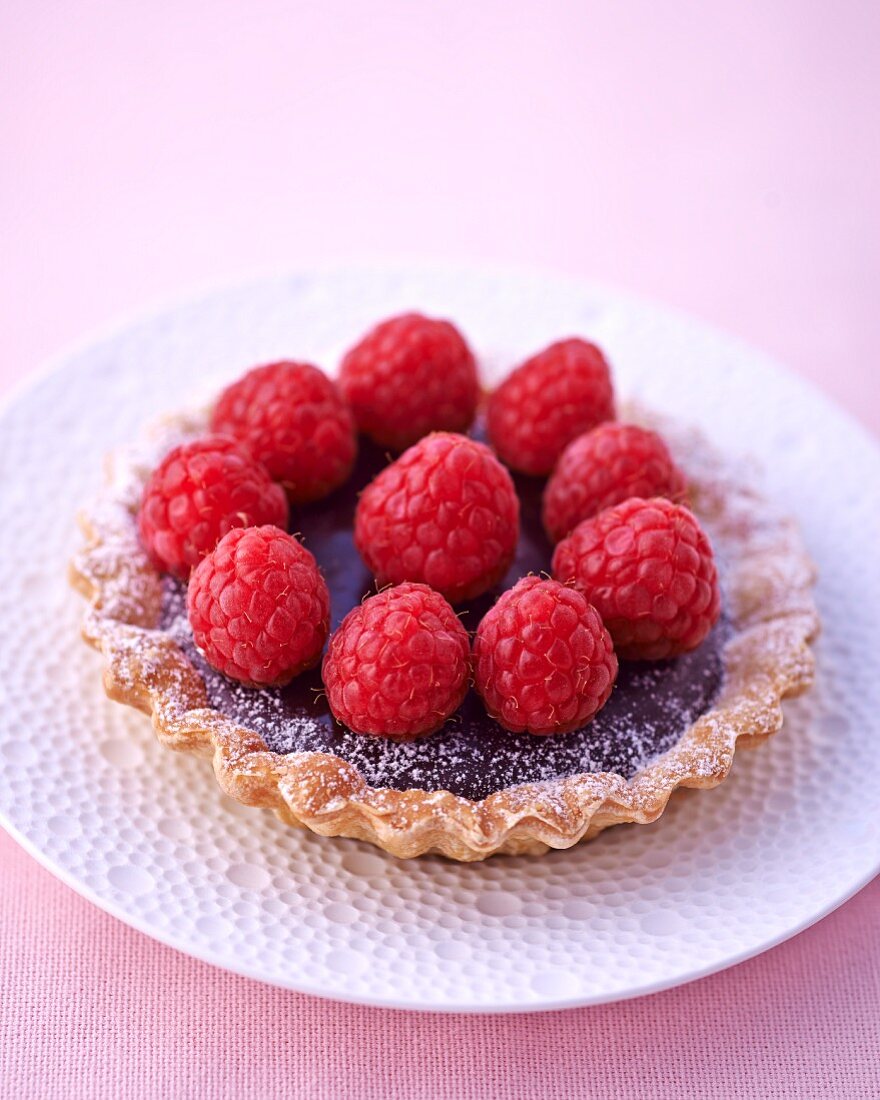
604, 467
197, 493
648, 569
258, 607
445, 513
409, 376
398, 665
543, 661
293, 419
548, 401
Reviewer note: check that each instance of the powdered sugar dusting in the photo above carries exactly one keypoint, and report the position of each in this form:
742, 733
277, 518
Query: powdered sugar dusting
472, 755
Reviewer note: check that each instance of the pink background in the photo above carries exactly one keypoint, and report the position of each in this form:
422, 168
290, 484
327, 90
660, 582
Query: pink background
722, 157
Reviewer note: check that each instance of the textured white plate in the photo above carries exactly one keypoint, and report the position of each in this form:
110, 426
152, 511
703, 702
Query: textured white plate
147, 834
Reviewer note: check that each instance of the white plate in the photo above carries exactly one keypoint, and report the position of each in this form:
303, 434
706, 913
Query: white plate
147, 834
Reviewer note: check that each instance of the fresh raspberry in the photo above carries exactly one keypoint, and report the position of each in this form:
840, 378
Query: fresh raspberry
543, 661
293, 419
548, 401
605, 467
398, 665
408, 376
648, 569
198, 492
258, 607
445, 513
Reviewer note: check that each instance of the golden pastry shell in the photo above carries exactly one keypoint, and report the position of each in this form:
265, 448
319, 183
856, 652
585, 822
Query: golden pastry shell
768, 579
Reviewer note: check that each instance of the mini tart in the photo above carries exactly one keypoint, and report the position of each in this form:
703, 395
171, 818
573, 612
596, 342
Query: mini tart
771, 620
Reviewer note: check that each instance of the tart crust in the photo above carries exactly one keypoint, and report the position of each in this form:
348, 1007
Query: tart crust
768, 579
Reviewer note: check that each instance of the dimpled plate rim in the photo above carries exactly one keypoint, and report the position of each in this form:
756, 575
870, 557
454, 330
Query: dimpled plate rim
644, 909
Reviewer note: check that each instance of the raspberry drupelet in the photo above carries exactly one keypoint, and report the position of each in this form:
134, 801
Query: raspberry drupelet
292, 418
409, 376
543, 661
604, 467
648, 568
444, 514
258, 607
200, 491
398, 666
546, 402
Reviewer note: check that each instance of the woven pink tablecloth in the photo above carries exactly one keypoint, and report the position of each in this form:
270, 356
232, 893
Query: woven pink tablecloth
722, 157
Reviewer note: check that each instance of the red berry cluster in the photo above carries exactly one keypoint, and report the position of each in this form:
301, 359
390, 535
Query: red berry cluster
294, 420
259, 607
633, 575
409, 376
605, 467
543, 660
648, 569
445, 513
399, 663
551, 399
197, 493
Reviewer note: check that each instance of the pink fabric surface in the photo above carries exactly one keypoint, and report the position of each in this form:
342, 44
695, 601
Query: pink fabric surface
721, 157
90, 1008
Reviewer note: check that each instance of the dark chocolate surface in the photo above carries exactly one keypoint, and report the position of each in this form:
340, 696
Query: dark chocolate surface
651, 706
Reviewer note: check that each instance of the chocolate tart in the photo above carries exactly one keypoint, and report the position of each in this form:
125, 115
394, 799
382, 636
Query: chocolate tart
471, 790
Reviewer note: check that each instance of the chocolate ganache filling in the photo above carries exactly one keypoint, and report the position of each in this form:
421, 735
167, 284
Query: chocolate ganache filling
651, 706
